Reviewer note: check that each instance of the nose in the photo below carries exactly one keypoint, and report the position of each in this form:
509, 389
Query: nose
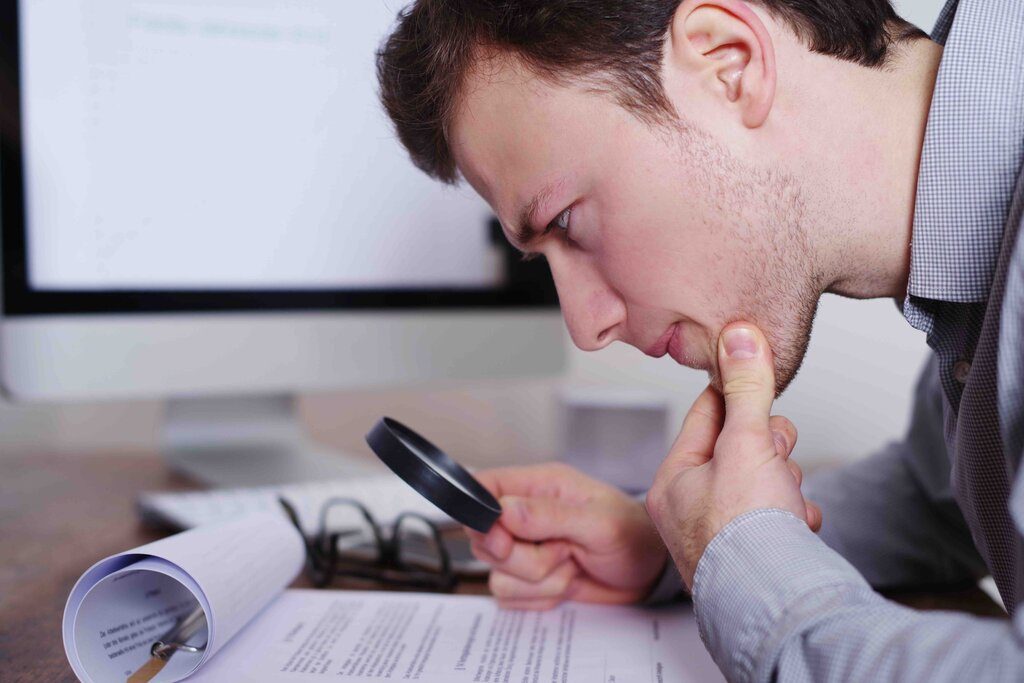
594, 312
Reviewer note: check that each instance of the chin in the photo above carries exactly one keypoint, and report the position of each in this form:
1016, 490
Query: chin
785, 373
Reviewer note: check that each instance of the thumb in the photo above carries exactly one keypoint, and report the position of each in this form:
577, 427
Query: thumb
748, 377
696, 441
544, 518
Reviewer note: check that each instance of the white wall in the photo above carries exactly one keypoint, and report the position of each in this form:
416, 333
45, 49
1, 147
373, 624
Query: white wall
923, 13
851, 396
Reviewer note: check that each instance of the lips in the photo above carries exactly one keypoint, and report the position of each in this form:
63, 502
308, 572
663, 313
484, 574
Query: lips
676, 350
661, 347
671, 342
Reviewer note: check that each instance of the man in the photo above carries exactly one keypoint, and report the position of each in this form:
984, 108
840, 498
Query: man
697, 175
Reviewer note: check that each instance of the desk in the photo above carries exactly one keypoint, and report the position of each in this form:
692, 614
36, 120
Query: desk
61, 513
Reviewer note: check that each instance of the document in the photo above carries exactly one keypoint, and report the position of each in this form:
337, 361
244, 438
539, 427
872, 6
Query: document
308, 635
255, 631
123, 604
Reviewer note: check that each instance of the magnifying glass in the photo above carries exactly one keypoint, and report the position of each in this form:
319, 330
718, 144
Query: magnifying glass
436, 477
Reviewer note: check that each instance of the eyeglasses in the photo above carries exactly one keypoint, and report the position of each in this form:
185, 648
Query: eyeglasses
412, 556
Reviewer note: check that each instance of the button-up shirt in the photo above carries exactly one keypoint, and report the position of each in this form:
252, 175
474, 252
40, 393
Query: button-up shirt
777, 602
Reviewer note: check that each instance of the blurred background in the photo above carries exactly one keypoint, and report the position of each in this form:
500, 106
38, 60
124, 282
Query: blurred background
851, 396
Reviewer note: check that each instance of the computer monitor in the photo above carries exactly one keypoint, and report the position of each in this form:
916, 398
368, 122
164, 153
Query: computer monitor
203, 200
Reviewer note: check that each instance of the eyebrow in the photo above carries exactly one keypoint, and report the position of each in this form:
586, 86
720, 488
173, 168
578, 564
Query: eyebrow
524, 232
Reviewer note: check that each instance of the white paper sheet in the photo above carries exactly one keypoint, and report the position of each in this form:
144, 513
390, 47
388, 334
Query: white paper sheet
124, 603
306, 635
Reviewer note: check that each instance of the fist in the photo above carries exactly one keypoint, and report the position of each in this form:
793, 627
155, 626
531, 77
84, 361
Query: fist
731, 456
565, 536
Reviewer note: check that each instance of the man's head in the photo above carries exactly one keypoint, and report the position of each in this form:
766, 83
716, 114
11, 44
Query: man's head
644, 147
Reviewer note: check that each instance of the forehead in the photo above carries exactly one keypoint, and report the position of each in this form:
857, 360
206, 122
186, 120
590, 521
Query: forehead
515, 131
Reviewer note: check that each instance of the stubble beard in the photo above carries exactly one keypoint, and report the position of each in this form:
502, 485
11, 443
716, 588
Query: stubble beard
780, 284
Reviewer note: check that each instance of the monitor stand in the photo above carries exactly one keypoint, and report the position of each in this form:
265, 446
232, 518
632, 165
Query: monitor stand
249, 441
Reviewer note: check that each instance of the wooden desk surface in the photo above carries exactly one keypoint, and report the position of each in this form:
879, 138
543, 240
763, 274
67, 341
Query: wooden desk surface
60, 514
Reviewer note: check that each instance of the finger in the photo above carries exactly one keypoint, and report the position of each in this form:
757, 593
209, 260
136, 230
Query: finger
497, 543
555, 585
748, 378
538, 605
546, 479
696, 440
814, 517
588, 590
481, 553
528, 561
581, 589
784, 434
542, 519
798, 474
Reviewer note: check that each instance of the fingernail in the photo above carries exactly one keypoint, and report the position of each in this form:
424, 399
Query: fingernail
780, 442
740, 343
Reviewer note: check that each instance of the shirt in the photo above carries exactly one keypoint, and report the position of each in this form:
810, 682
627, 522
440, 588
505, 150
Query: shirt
773, 600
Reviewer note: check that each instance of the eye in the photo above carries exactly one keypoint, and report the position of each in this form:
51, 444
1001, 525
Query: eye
561, 221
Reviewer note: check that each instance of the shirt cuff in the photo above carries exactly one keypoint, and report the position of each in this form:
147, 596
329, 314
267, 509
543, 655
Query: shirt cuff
760, 578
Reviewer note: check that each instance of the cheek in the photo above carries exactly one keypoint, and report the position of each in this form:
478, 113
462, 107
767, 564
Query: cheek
653, 265
665, 244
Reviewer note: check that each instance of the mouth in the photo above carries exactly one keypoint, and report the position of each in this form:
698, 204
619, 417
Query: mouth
661, 347
671, 342
677, 350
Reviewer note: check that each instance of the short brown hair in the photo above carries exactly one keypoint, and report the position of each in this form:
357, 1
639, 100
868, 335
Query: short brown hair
618, 43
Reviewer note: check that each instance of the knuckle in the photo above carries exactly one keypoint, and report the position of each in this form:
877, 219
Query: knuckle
742, 383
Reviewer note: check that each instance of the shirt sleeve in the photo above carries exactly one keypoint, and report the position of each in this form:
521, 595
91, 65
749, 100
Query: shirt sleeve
893, 515
773, 602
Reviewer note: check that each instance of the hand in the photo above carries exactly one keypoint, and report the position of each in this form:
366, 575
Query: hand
564, 536
730, 456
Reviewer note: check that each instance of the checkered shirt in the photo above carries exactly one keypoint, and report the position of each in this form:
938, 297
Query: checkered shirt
777, 602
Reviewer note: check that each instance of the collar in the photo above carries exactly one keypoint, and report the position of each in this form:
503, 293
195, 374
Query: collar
971, 156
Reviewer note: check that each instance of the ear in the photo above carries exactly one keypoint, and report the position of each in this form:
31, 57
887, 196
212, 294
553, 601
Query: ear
724, 47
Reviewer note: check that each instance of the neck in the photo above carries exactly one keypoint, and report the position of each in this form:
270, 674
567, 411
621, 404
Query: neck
871, 130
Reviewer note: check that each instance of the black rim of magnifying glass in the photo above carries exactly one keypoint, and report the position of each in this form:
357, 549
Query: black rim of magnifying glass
468, 502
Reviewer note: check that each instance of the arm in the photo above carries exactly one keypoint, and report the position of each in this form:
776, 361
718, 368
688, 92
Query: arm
775, 603
893, 515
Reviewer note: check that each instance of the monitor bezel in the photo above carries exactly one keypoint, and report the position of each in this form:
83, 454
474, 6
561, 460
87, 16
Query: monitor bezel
529, 284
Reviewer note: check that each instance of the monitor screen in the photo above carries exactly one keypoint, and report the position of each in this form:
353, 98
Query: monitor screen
225, 154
